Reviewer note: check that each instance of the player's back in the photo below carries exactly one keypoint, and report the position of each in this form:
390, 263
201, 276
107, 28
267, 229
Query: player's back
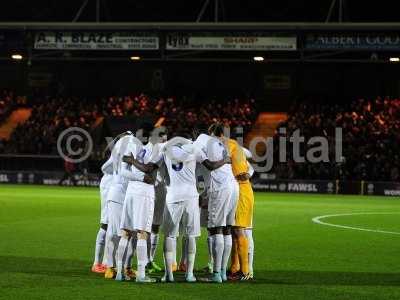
143, 156
222, 176
182, 172
107, 169
127, 145
201, 145
106, 181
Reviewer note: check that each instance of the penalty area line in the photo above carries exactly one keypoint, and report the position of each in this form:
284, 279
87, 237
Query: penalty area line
318, 219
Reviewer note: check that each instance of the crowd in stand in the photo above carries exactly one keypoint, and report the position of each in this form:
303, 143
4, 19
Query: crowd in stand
38, 135
370, 129
371, 140
8, 101
183, 114
51, 116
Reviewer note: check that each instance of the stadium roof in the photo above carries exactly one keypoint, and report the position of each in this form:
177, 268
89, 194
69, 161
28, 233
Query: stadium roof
287, 26
305, 21
175, 11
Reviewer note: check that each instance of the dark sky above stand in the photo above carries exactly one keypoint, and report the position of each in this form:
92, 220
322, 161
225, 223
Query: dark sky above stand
187, 11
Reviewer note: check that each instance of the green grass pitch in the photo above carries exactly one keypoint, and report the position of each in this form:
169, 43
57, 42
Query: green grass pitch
47, 237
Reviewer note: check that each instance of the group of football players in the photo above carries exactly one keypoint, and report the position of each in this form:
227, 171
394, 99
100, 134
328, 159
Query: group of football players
176, 186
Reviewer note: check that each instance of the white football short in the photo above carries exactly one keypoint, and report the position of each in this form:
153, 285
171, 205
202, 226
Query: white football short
104, 189
185, 213
138, 207
115, 200
114, 210
117, 193
222, 205
159, 204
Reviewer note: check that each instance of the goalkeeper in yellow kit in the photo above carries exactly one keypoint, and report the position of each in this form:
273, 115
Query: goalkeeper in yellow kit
244, 211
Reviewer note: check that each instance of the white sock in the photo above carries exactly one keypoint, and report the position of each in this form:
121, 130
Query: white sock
122, 253
227, 252
154, 238
169, 256
174, 250
129, 255
104, 262
187, 249
218, 250
100, 243
209, 247
106, 256
249, 235
110, 250
141, 252
191, 254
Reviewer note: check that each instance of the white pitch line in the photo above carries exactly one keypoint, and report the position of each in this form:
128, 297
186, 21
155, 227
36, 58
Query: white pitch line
318, 219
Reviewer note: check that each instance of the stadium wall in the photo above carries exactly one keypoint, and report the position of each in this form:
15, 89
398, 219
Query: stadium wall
328, 187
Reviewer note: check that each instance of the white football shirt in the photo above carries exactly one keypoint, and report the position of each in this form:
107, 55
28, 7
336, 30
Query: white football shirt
127, 145
201, 145
107, 167
181, 168
222, 176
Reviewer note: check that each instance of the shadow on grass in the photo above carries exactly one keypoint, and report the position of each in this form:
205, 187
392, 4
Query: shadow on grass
80, 268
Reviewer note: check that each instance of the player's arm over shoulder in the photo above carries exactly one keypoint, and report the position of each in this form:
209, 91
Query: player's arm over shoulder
146, 168
211, 165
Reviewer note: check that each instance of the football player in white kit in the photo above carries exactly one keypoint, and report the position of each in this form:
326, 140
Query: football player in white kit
222, 200
204, 188
138, 208
99, 263
160, 137
115, 200
182, 204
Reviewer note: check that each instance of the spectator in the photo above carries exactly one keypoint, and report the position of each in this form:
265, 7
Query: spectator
371, 139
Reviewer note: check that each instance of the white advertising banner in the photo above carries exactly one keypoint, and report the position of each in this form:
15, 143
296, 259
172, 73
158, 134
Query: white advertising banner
275, 43
95, 41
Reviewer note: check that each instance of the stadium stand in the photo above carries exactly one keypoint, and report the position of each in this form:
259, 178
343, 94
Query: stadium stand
17, 116
53, 115
47, 121
371, 135
182, 114
371, 140
7, 102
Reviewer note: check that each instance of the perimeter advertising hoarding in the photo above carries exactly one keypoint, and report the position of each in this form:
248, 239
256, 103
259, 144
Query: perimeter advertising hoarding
245, 42
382, 188
262, 185
46, 178
295, 186
80, 40
356, 41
